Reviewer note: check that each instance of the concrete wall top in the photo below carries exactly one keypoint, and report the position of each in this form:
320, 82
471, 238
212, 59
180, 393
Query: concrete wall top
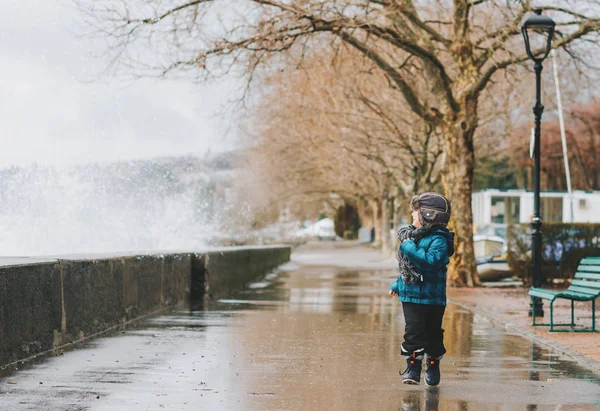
242, 247
18, 261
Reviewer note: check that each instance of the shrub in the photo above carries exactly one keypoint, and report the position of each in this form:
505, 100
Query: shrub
346, 219
350, 235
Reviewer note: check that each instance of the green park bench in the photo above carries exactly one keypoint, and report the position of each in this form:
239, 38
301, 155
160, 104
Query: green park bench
584, 287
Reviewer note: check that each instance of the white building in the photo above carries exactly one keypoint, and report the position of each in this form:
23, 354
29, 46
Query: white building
516, 206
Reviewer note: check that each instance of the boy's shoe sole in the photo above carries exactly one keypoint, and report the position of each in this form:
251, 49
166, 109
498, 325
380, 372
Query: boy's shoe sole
410, 382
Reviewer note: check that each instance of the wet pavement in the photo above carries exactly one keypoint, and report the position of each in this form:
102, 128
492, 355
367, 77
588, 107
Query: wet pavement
318, 334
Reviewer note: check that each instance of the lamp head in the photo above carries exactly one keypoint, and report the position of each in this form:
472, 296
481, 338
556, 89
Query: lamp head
538, 30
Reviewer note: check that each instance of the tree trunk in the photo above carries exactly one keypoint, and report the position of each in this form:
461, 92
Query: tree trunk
385, 225
363, 214
376, 212
458, 181
395, 243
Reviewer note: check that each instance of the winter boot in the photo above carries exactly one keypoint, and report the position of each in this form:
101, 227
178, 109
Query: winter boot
412, 373
432, 373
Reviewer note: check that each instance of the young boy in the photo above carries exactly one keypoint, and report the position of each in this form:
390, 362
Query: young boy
425, 250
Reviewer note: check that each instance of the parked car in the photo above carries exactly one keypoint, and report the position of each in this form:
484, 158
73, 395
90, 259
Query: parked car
325, 229
322, 230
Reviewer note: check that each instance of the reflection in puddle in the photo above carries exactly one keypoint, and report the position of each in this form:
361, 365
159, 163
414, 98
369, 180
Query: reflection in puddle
429, 396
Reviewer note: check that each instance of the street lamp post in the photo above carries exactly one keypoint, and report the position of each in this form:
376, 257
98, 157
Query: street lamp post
537, 29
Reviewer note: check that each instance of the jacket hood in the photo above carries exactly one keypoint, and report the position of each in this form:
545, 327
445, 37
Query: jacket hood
448, 235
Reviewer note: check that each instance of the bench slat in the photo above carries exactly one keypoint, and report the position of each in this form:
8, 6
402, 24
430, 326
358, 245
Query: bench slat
583, 290
587, 284
591, 261
578, 295
589, 276
542, 293
588, 268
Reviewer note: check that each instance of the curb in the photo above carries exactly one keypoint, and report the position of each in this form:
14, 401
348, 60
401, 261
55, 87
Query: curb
582, 360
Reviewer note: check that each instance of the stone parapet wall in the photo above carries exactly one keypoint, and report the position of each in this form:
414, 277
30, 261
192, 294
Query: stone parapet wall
48, 303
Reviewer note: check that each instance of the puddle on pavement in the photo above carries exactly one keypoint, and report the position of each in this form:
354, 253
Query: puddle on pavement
310, 338
348, 311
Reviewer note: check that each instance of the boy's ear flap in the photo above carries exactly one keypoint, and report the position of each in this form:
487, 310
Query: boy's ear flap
428, 214
414, 203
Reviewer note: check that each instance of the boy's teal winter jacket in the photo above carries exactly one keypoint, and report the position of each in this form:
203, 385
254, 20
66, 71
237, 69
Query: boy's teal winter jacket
430, 255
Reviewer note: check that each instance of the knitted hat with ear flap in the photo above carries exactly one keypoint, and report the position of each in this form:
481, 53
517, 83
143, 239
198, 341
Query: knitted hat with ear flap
434, 209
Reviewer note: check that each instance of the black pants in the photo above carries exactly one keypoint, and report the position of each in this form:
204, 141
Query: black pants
423, 329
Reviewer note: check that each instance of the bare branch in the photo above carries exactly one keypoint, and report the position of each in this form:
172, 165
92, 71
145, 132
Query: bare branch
409, 94
584, 29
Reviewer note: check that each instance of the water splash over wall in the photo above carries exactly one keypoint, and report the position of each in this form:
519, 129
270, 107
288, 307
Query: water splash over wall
162, 204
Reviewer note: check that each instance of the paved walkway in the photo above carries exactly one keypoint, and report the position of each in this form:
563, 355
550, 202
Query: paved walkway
511, 306
320, 335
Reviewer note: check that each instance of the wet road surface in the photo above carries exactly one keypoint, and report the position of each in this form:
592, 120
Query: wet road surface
317, 335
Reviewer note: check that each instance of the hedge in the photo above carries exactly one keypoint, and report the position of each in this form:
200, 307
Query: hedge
563, 247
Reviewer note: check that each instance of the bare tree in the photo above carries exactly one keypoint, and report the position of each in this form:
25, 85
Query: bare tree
372, 147
455, 46
583, 141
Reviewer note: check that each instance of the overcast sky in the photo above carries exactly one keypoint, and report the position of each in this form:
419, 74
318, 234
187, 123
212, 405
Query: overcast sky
50, 112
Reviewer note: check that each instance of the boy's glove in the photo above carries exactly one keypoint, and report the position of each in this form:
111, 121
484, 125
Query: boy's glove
405, 233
